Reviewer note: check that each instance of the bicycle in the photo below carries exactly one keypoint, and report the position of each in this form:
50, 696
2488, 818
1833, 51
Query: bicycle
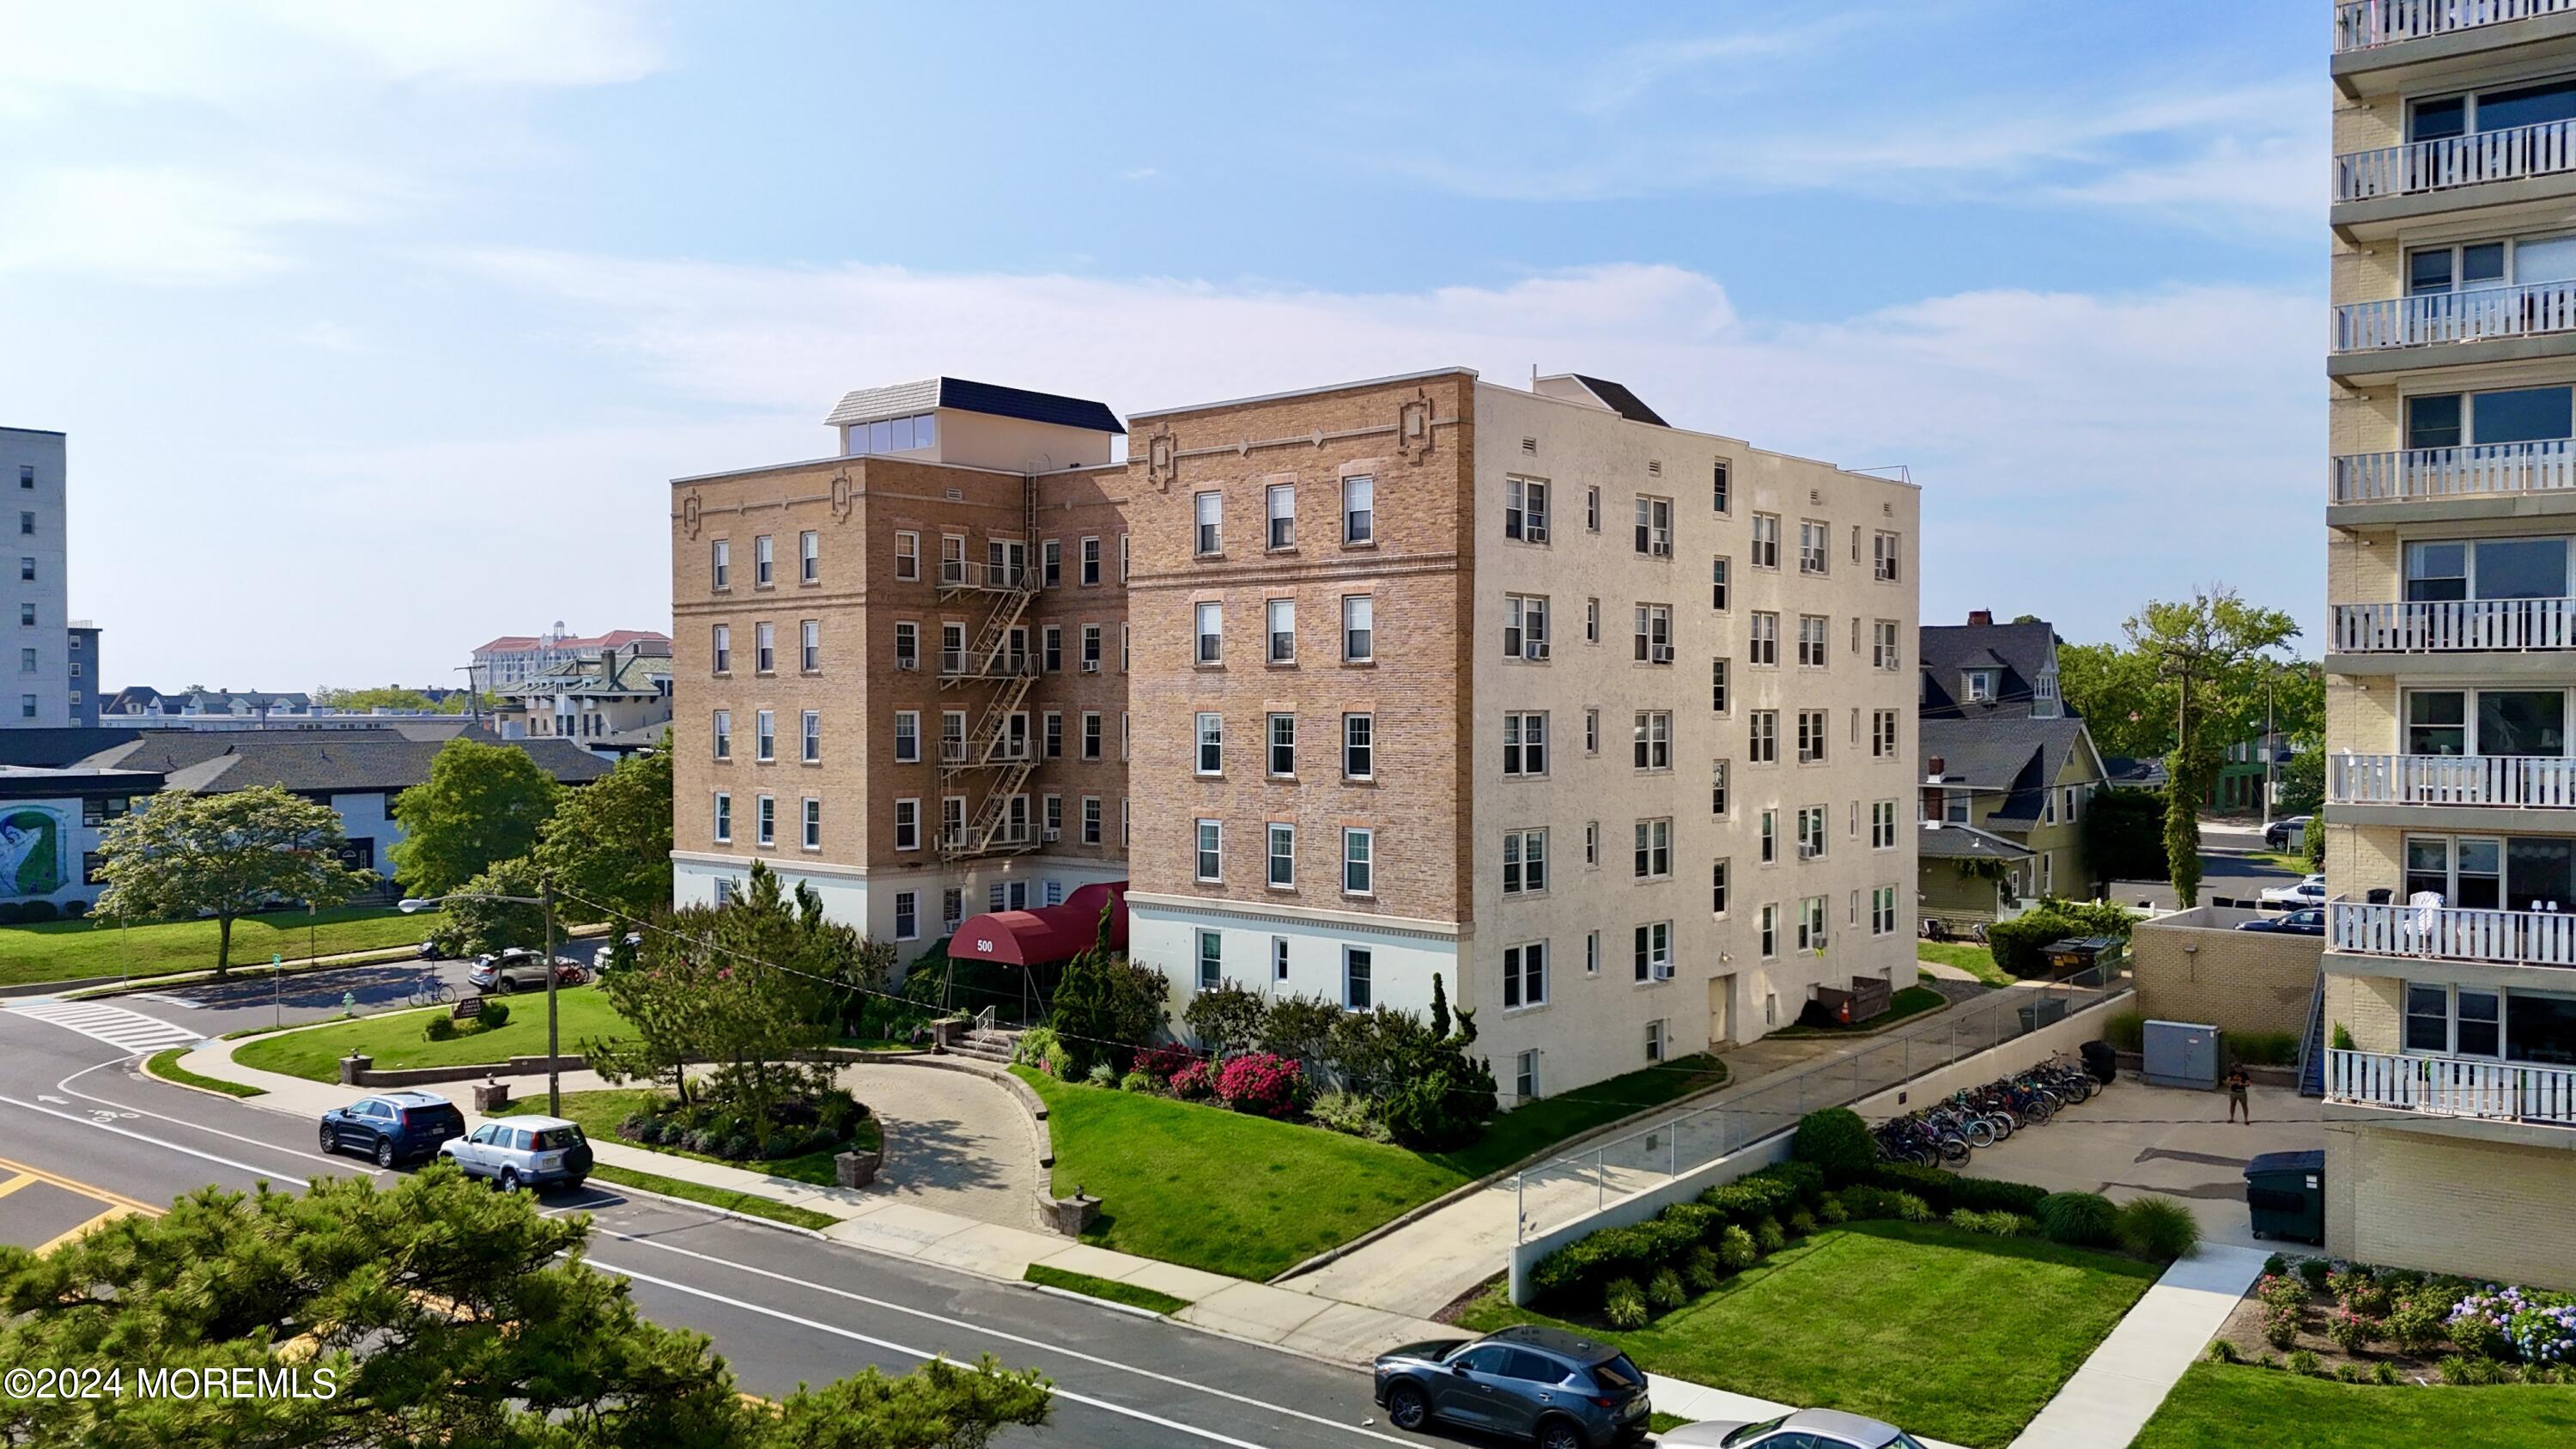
430, 991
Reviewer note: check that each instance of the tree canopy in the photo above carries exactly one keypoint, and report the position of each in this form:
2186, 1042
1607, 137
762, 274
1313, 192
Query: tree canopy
482, 803
396, 696
609, 842
441, 1313
185, 855
2215, 651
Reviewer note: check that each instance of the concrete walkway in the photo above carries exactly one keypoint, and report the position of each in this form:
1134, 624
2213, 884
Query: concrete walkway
956, 1142
2117, 1390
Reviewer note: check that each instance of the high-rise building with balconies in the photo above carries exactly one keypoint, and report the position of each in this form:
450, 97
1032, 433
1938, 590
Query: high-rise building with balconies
2450, 967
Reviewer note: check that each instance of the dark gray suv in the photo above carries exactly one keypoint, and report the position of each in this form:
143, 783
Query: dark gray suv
1556, 1389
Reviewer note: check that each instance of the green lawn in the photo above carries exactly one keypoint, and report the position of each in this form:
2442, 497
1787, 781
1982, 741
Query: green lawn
1977, 961
395, 1039
1251, 1197
165, 1065
2295, 862
2242, 1404
600, 1112
69, 950
1946, 1334
1912, 1001
1109, 1288
741, 1202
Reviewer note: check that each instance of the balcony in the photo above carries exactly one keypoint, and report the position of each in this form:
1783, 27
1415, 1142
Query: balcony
2363, 24
2449, 933
2526, 782
956, 574
1002, 664
2453, 1087
2545, 149
2454, 626
2483, 470
2435, 318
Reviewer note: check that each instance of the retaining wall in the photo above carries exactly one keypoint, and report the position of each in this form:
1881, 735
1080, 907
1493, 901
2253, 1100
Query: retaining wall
2196, 966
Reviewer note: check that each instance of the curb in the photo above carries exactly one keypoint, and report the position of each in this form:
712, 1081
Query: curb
1109, 1303
146, 1072
708, 1207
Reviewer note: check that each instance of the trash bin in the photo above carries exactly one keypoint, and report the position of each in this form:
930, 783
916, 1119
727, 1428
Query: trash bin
2286, 1193
2102, 1060
2042, 1012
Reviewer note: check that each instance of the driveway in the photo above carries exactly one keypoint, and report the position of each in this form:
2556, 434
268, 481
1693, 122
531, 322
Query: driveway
955, 1141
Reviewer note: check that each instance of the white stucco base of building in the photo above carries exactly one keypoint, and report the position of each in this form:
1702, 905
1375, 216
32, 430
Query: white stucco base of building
876, 901
1356, 960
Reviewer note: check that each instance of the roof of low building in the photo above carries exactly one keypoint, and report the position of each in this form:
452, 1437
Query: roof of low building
624, 674
2022, 757
2019, 654
868, 404
317, 761
1964, 842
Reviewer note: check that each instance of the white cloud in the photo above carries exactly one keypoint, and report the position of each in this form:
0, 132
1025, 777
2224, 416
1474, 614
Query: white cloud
1633, 70
163, 224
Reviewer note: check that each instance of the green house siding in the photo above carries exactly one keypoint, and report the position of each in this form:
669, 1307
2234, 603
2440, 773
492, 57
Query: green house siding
1952, 895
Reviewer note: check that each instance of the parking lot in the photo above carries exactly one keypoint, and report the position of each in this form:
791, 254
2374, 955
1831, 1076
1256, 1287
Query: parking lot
217, 1007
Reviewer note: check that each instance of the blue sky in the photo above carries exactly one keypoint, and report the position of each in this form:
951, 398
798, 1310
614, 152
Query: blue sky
379, 330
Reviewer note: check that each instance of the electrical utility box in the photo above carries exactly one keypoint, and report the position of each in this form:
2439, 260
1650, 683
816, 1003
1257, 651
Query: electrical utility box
2181, 1054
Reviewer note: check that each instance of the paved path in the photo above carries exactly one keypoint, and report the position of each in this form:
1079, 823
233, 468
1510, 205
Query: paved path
955, 1142
2117, 1390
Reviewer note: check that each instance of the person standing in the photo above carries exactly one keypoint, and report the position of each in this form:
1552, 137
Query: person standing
2237, 1082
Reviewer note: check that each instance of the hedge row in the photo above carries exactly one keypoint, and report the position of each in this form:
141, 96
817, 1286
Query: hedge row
1948, 1192
1584, 1268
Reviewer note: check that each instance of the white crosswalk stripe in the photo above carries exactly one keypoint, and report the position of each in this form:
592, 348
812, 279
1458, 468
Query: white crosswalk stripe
114, 1025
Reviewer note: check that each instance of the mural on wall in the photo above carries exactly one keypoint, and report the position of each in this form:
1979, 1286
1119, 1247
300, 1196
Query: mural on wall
31, 853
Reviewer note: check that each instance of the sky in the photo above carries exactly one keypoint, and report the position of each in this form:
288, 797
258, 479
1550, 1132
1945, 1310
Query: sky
380, 330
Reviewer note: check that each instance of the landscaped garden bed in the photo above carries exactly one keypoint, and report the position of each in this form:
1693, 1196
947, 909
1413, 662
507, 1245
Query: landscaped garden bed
802, 1149
2325, 1318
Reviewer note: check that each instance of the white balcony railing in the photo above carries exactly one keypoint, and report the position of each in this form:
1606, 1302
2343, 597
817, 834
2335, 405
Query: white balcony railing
2361, 24
2506, 155
2547, 466
2531, 782
2454, 624
956, 573
2453, 1086
2438, 317
2510, 938
1002, 664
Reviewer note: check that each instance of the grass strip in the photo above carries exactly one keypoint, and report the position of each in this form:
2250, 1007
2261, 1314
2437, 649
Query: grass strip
1912, 1001
165, 1065
1109, 1288
741, 1202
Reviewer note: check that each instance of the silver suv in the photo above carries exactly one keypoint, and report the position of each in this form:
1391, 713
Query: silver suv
522, 1152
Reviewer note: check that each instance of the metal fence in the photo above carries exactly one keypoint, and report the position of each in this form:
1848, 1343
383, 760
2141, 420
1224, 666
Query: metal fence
1585, 1182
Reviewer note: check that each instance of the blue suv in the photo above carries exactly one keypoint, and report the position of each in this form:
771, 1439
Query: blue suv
393, 1127
1542, 1386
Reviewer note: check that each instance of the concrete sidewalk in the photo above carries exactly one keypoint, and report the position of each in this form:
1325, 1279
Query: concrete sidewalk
2117, 1390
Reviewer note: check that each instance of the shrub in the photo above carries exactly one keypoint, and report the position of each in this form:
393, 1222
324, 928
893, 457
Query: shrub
496, 1015
1701, 1269
1665, 1292
1948, 1191
1162, 1062
38, 912
1137, 1082
1040, 1048
2281, 1325
2342, 1041
2367, 1298
2157, 1227
1768, 1238
2277, 1290
1624, 1304
11, 913
1193, 1083
2349, 1373
1104, 1000
2471, 1371
2303, 1361
1102, 1075
2384, 1372
2084, 1219
1832, 1211
2315, 1271
1996, 1224
2415, 1323
2478, 1323
2221, 1351
1736, 1249
2125, 1030
441, 1027
1804, 1180
1878, 1202
75, 909
1261, 1084
2544, 1334
2265, 1048
1837, 1142
2275, 1265
2016, 943
1348, 1112
2351, 1332
1801, 1222
1226, 1018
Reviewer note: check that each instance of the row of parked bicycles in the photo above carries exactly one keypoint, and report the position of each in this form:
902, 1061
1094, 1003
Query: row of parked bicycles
1943, 1134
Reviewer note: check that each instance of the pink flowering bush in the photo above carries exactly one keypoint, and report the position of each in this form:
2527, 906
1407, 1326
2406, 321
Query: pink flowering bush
1262, 1083
1193, 1083
1164, 1062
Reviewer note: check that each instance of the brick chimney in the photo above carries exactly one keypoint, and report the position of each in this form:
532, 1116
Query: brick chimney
1980, 618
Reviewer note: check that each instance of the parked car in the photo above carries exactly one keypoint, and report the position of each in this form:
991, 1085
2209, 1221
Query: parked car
1545, 1386
530, 1152
393, 1127
2286, 834
520, 969
1805, 1429
2305, 921
2308, 892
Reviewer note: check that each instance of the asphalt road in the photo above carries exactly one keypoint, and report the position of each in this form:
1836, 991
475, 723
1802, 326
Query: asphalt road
783, 1308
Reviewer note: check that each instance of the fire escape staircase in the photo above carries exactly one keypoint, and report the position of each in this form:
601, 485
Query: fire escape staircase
992, 659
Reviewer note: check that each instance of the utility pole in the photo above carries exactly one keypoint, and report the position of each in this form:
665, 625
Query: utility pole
554, 1068
2269, 675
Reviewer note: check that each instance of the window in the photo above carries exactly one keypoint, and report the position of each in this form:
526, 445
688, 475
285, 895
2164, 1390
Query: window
1359, 862
1654, 1041
1283, 746
1592, 621
1719, 596
1211, 850
1358, 752
1592, 509
1811, 641
892, 435
907, 556
1091, 820
1090, 562
1525, 1074
907, 916
1283, 631
764, 648
1209, 511
764, 735
1355, 978
1651, 741
1654, 633
1811, 924
1884, 553
1653, 849
720, 563
810, 743
26, 661
1211, 959
722, 636
1811, 832
1811, 737
26, 475
724, 817
1126, 653
907, 645
27, 524
764, 562
1054, 820
1359, 628
1721, 488
1592, 732
1882, 734
1815, 539
1282, 498
26, 613
1524, 744
1524, 862
1762, 740
1766, 540
1762, 647
765, 821
723, 734
1981, 686
1122, 558
1882, 825
1359, 516
1211, 738
809, 645
1718, 800
1655, 527
1091, 734
809, 557
1882, 911
1524, 627
1051, 563
27, 568
1091, 649
1591, 844
1717, 699
1283, 856
1717, 888
907, 737
1770, 837
1654, 951
813, 823
1525, 510
1211, 631
1525, 976
1883, 653
1770, 932
1278, 958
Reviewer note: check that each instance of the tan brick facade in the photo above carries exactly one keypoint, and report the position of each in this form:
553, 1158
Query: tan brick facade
2195, 966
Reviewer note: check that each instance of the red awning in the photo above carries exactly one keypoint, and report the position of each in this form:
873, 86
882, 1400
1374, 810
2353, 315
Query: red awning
1046, 935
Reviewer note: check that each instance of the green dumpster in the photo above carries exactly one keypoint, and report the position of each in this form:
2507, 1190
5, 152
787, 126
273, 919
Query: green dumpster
2286, 1192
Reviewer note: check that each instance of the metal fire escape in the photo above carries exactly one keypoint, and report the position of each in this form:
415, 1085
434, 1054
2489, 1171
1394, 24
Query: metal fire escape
990, 749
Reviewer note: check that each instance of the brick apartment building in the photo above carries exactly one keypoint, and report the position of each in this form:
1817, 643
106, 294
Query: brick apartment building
1607, 723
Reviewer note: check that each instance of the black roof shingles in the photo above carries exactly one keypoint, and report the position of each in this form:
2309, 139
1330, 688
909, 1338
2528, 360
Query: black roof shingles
2022, 652
1037, 407
317, 761
1623, 402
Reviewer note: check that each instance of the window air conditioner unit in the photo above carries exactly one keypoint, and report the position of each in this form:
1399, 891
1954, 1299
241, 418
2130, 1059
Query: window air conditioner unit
1536, 533
1663, 971
1661, 548
1054, 834
1536, 652
908, 662
1661, 654
1091, 666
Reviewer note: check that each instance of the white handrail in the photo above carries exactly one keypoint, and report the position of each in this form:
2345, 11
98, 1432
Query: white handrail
2545, 466
2438, 317
2418, 166
2523, 781
2362, 24
2452, 1086
2511, 938
2421, 627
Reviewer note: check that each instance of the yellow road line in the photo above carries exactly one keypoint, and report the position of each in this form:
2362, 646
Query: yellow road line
114, 1212
15, 1183
96, 1194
